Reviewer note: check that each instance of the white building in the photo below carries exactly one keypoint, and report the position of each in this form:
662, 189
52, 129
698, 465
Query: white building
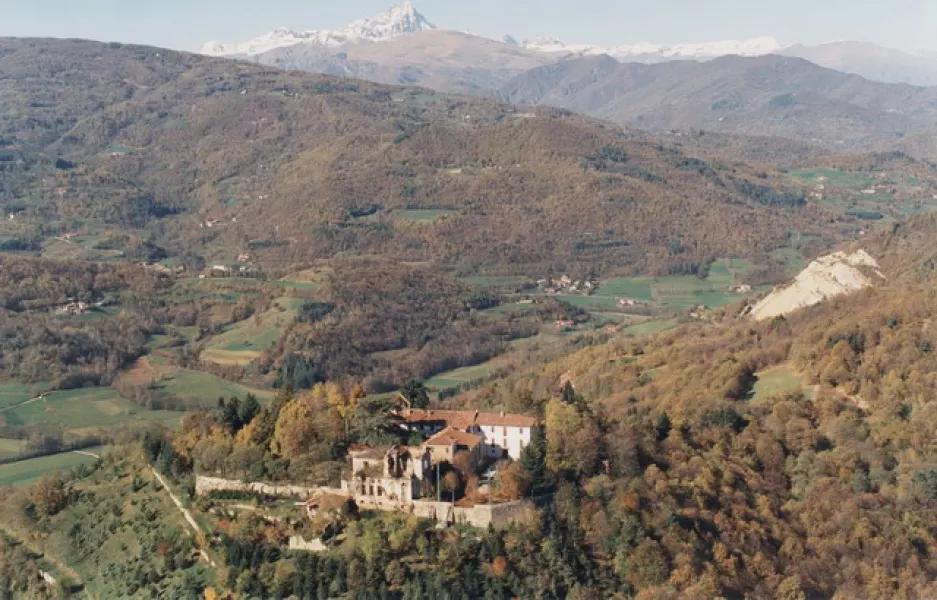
503, 434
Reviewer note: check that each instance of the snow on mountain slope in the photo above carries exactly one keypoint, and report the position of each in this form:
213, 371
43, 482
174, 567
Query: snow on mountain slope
399, 20
645, 52
404, 19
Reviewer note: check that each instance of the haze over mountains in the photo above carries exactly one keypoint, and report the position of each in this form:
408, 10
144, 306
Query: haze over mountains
811, 94
403, 20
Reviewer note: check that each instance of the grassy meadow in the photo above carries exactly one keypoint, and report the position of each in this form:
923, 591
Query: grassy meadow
29, 471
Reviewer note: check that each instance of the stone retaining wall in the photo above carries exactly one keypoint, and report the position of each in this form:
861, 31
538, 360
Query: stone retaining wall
297, 542
498, 516
207, 485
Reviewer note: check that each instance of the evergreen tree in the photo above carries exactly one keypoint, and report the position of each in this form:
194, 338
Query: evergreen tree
249, 409
416, 393
230, 414
534, 461
664, 426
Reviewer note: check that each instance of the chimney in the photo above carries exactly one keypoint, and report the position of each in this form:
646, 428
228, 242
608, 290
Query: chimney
502, 413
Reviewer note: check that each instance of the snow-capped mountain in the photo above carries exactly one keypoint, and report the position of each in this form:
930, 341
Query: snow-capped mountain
399, 20
334, 51
645, 52
404, 18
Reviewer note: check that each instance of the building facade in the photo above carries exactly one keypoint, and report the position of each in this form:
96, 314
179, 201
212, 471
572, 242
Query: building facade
503, 434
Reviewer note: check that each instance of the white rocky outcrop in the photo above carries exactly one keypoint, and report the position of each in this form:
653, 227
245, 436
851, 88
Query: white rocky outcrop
826, 277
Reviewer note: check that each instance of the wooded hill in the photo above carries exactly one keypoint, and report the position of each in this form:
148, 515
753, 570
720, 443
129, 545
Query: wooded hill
216, 158
764, 96
671, 470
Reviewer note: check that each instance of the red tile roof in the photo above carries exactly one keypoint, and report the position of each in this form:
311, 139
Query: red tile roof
454, 437
505, 420
463, 419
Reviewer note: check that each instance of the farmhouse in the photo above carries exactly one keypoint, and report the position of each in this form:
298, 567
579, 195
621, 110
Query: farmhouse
501, 434
443, 446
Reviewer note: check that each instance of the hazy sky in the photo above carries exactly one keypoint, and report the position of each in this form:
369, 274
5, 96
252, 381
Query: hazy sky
186, 24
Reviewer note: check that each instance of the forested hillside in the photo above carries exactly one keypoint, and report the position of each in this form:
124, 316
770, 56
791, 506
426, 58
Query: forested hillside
155, 152
763, 96
321, 254
725, 458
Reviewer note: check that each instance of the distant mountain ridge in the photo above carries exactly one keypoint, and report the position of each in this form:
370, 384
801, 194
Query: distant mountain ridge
769, 95
399, 20
651, 53
403, 20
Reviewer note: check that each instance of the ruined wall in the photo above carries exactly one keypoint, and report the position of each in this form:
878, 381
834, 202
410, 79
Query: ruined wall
207, 485
498, 516
297, 542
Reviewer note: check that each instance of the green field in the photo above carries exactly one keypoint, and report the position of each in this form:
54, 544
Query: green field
792, 259
457, 377
650, 327
511, 308
83, 408
14, 393
300, 285
245, 341
779, 380
28, 471
495, 281
200, 389
674, 292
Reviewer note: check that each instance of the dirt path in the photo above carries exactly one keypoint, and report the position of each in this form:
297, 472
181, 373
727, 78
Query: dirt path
84, 453
187, 515
23, 403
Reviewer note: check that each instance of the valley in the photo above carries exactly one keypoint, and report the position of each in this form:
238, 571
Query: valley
452, 317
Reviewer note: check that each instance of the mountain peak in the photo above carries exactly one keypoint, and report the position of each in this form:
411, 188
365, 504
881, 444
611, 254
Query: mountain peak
400, 19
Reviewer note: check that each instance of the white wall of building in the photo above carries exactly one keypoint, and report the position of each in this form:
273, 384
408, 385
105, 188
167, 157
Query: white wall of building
500, 437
